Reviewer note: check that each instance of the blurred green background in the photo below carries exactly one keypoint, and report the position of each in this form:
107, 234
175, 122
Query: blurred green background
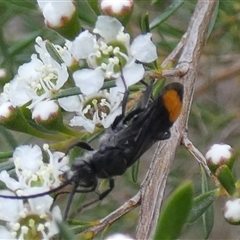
214, 117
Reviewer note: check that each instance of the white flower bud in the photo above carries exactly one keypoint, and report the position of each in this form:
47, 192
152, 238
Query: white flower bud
119, 236
6, 110
117, 8
45, 110
219, 153
57, 12
231, 211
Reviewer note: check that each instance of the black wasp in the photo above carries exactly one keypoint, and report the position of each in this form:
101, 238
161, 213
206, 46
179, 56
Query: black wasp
124, 142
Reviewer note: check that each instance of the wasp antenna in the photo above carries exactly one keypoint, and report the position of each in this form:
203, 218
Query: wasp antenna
80, 144
126, 93
38, 194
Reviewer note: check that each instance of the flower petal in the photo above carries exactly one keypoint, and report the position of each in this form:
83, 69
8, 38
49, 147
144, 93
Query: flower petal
89, 81
11, 183
5, 234
56, 217
143, 49
9, 208
132, 73
80, 121
83, 45
70, 104
28, 157
108, 27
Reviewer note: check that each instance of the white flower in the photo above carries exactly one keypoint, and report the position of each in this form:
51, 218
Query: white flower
31, 219
63, 52
34, 216
55, 12
36, 81
110, 53
32, 171
96, 109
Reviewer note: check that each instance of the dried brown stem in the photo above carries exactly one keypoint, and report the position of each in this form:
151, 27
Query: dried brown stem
154, 184
199, 157
114, 216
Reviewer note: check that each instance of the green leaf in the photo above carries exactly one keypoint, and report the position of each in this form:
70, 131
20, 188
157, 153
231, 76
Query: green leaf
67, 92
23, 43
24, 4
157, 88
154, 2
76, 91
226, 179
5, 155
65, 232
8, 137
166, 14
200, 205
175, 212
145, 23
135, 168
208, 215
86, 12
208, 221
95, 6
213, 20
53, 52
6, 166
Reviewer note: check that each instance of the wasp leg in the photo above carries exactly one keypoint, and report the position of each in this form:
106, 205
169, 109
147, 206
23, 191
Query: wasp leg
132, 114
71, 195
147, 96
55, 198
119, 118
70, 198
82, 145
142, 104
126, 94
100, 197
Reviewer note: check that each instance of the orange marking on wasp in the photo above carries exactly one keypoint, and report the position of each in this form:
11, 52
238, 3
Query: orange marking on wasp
173, 104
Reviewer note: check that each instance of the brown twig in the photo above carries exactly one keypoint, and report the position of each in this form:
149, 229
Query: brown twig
154, 184
174, 55
199, 157
112, 217
196, 153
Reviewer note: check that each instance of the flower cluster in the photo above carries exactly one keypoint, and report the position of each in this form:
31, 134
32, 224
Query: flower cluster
106, 54
87, 77
33, 217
